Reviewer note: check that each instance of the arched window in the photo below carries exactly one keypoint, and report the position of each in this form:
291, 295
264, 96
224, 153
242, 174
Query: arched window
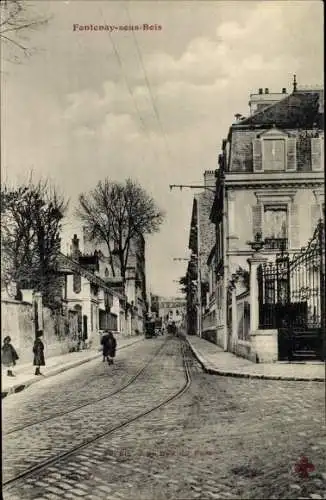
106, 272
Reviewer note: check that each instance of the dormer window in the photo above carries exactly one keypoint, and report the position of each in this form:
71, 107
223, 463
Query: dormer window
274, 154
274, 151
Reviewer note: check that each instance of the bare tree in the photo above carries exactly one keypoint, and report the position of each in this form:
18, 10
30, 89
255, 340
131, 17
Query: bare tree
115, 214
16, 21
31, 217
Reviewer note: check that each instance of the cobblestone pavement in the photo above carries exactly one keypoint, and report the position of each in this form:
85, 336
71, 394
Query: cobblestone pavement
224, 438
75, 387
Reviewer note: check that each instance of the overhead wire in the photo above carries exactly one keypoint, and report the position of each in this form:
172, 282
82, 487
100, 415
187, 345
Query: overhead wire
131, 93
148, 85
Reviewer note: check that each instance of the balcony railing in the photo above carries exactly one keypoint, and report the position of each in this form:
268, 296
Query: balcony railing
276, 243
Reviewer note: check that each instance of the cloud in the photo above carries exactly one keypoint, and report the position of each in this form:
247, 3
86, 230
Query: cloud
79, 114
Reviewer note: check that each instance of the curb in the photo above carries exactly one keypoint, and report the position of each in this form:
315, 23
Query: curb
226, 373
20, 387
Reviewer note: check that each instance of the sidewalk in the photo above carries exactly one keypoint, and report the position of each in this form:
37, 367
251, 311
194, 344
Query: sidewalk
57, 364
214, 360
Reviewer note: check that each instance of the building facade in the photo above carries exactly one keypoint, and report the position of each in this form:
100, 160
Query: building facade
134, 285
270, 185
87, 297
201, 238
172, 309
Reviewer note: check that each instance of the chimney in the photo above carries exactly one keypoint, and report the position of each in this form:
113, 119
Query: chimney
266, 91
75, 248
209, 178
260, 91
283, 90
295, 83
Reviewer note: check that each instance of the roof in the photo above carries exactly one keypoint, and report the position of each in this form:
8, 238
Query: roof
302, 109
67, 263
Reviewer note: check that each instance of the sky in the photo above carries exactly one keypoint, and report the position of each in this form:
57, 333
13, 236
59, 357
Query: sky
153, 105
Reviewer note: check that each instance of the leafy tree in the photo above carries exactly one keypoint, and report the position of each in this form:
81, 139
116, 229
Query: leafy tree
116, 214
31, 217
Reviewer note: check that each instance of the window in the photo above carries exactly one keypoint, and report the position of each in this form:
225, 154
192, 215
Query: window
274, 154
275, 226
274, 151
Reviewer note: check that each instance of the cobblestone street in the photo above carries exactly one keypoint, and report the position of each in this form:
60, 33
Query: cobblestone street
223, 438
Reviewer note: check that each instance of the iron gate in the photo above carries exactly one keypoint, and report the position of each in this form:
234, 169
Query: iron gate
292, 299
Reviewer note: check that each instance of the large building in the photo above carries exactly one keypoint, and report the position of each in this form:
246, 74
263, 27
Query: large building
270, 185
172, 309
201, 239
87, 296
134, 285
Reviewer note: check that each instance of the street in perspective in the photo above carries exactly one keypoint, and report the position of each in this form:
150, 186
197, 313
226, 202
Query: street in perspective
163, 250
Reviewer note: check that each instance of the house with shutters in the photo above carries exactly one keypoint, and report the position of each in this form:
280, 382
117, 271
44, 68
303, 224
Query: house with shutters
89, 303
270, 182
133, 287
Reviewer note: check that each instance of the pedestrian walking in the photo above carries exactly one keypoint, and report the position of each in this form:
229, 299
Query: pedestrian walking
9, 355
109, 344
38, 350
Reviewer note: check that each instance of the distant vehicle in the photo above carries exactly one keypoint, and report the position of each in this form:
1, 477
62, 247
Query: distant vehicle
149, 329
159, 326
172, 328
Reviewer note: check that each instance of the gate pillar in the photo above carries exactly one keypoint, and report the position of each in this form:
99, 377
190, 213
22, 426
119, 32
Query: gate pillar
254, 262
38, 308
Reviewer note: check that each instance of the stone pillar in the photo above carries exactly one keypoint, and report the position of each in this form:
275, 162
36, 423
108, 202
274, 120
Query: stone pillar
254, 262
234, 318
37, 298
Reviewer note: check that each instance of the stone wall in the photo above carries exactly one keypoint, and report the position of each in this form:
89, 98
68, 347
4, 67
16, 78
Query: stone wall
17, 322
207, 230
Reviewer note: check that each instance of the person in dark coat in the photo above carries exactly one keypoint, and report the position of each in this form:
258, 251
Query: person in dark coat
9, 355
109, 344
38, 350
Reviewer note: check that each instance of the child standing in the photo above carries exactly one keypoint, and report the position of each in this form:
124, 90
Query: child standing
9, 355
38, 350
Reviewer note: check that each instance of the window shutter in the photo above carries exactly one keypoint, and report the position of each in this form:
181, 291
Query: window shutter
257, 220
315, 215
257, 155
316, 154
294, 220
291, 164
